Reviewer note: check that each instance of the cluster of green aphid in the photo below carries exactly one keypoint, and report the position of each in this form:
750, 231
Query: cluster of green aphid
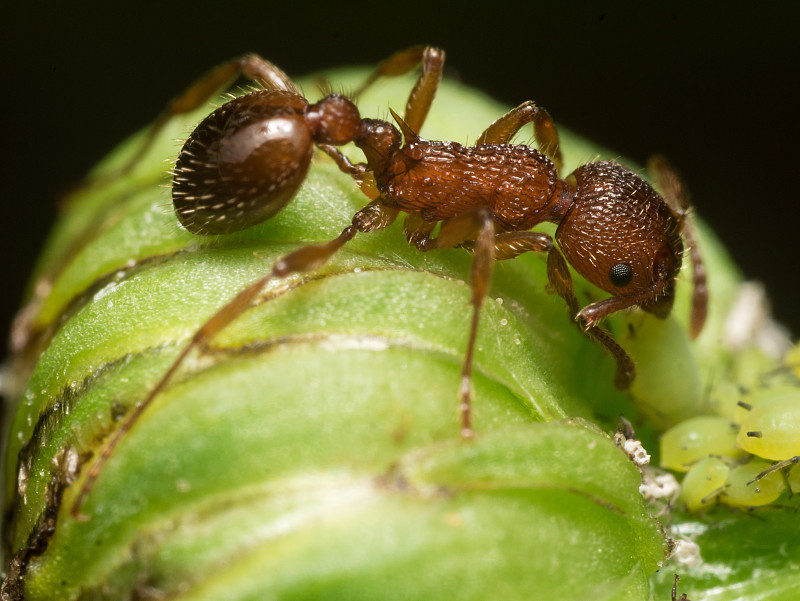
746, 454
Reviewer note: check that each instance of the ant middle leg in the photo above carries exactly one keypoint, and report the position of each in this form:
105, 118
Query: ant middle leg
250, 66
544, 130
474, 230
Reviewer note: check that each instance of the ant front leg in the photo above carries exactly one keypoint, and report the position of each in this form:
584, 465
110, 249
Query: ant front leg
512, 244
374, 216
561, 281
678, 201
421, 97
544, 130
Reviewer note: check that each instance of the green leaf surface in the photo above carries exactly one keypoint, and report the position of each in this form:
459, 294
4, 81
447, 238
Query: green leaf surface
312, 450
742, 555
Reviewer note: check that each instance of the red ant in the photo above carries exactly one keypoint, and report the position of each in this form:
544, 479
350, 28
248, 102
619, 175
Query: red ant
247, 159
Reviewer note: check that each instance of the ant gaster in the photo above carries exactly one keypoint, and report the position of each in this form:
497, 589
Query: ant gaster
247, 159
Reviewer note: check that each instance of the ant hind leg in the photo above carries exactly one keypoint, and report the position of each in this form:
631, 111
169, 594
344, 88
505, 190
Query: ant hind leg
215, 81
251, 66
373, 217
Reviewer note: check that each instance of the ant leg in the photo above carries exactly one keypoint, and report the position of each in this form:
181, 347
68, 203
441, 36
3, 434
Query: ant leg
503, 129
678, 201
373, 217
512, 244
545, 132
421, 97
358, 171
473, 229
590, 315
250, 66
417, 229
561, 281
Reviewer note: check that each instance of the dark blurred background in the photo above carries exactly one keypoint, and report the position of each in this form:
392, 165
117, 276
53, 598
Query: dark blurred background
715, 89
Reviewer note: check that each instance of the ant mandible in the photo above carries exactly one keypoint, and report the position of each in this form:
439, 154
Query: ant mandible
246, 160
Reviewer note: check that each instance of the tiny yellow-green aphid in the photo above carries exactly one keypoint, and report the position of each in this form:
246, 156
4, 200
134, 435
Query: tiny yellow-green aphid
702, 481
697, 438
724, 397
741, 491
771, 429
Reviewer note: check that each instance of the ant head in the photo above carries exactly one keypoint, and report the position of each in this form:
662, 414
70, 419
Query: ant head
619, 234
334, 120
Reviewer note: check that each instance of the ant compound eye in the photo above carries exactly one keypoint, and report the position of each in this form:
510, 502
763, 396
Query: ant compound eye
621, 274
